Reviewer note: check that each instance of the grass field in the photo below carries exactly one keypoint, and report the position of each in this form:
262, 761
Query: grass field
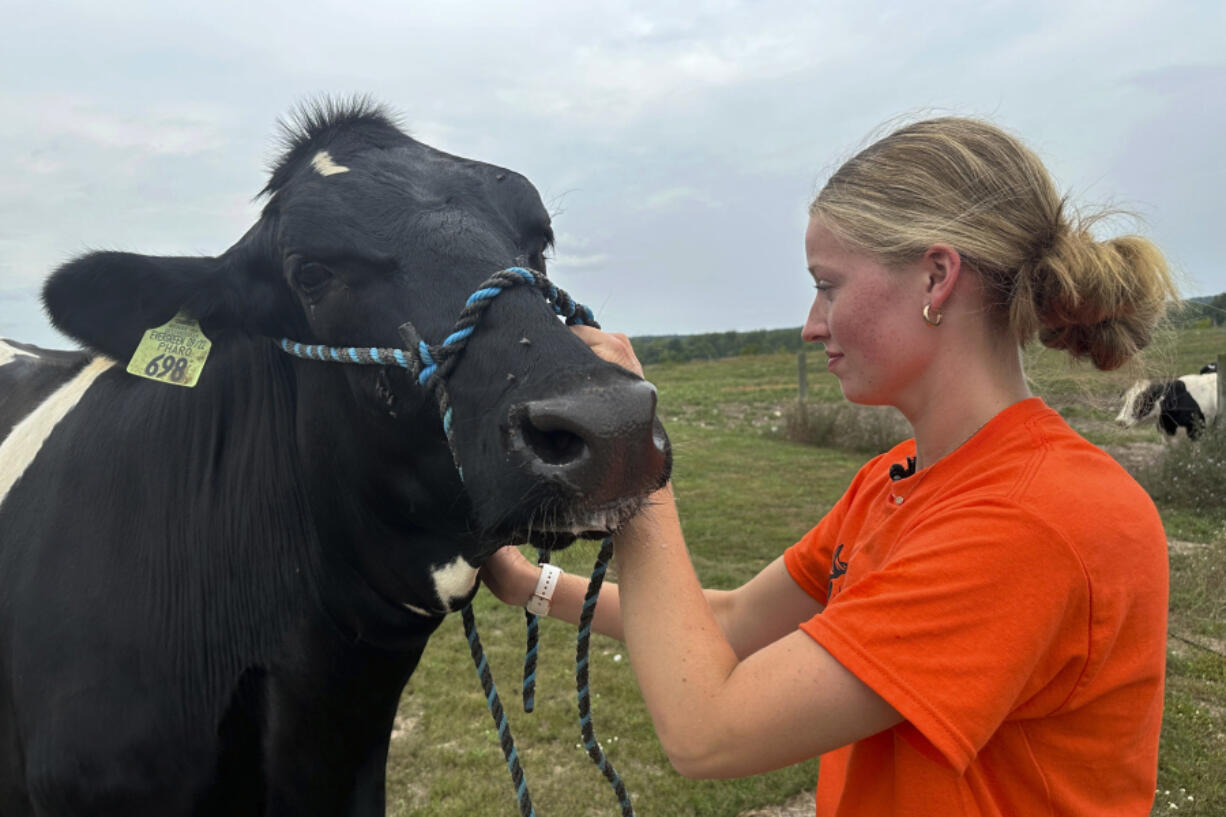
745, 493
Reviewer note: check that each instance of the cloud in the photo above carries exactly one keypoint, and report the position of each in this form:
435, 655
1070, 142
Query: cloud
673, 197
571, 261
15, 295
162, 130
677, 143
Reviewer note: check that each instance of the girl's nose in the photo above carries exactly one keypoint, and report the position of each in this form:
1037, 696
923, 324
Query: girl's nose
815, 329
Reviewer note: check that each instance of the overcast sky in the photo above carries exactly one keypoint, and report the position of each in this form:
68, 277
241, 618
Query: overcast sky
677, 144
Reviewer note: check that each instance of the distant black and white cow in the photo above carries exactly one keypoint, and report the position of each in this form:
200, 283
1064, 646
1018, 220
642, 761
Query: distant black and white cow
1189, 401
212, 597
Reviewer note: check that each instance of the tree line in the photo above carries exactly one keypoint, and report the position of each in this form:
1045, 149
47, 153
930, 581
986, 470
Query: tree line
1202, 311
1209, 310
713, 345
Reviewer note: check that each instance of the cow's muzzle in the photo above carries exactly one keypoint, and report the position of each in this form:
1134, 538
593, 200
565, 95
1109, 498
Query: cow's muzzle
601, 446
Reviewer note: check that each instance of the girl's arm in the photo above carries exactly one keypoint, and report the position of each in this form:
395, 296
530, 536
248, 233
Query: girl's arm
763, 610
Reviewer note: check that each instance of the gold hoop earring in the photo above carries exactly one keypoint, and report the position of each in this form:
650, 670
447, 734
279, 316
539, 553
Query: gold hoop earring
928, 319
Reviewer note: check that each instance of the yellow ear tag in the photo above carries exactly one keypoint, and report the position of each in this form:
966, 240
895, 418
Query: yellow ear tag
172, 353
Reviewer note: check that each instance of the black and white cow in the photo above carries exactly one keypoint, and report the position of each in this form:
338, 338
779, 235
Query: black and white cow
211, 598
1189, 401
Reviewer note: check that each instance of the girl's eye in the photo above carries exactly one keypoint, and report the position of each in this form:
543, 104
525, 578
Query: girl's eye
822, 285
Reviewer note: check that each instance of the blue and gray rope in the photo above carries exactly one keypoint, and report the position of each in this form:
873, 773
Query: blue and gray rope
437, 362
500, 717
582, 652
432, 365
534, 638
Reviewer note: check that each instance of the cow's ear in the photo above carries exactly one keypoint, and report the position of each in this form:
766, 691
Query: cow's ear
106, 300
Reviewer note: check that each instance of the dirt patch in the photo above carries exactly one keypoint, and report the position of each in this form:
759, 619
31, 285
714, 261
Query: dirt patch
729, 416
801, 805
756, 387
1135, 457
403, 725
1182, 548
1184, 644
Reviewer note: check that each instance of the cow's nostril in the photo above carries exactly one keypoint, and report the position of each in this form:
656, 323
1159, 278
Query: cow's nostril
553, 446
597, 445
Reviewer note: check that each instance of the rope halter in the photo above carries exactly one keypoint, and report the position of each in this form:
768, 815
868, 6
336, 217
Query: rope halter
431, 365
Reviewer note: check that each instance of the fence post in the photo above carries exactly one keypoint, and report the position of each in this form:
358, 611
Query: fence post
804, 375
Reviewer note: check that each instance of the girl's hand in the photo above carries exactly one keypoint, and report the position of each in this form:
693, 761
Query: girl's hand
510, 576
613, 347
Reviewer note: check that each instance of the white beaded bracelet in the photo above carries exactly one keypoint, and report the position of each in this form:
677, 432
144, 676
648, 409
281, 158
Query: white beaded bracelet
542, 596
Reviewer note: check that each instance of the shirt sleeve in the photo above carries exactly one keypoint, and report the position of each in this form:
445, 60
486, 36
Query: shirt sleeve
974, 611
808, 561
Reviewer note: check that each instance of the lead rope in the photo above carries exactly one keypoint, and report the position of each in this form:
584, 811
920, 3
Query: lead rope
594, 750
530, 622
432, 365
492, 701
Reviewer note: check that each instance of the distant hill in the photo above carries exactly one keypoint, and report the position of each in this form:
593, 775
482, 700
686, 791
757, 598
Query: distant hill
713, 345
1203, 309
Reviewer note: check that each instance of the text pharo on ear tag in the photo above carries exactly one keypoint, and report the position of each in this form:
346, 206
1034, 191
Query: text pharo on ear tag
172, 353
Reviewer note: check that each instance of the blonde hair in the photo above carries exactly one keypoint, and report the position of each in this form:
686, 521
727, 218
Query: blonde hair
968, 184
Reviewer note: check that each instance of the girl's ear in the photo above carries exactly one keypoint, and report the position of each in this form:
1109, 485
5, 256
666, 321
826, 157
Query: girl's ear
942, 265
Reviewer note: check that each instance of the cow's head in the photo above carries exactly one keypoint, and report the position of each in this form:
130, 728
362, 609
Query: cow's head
1142, 401
366, 229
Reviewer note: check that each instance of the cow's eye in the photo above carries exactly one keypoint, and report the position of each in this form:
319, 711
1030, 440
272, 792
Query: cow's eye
312, 277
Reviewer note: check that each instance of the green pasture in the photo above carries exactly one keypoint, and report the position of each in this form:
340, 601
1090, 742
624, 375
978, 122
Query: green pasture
745, 493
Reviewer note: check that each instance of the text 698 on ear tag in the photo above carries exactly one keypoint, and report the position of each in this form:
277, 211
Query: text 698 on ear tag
172, 353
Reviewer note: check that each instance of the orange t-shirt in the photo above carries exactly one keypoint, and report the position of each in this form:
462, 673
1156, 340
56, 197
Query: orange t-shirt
1010, 602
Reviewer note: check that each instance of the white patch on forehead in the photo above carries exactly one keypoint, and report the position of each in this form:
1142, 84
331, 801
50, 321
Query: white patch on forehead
8, 353
22, 445
324, 166
453, 580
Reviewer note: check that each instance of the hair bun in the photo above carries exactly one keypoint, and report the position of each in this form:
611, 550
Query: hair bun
1098, 300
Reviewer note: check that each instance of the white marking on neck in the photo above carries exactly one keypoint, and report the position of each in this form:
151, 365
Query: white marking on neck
25, 441
324, 166
453, 580
8, 353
